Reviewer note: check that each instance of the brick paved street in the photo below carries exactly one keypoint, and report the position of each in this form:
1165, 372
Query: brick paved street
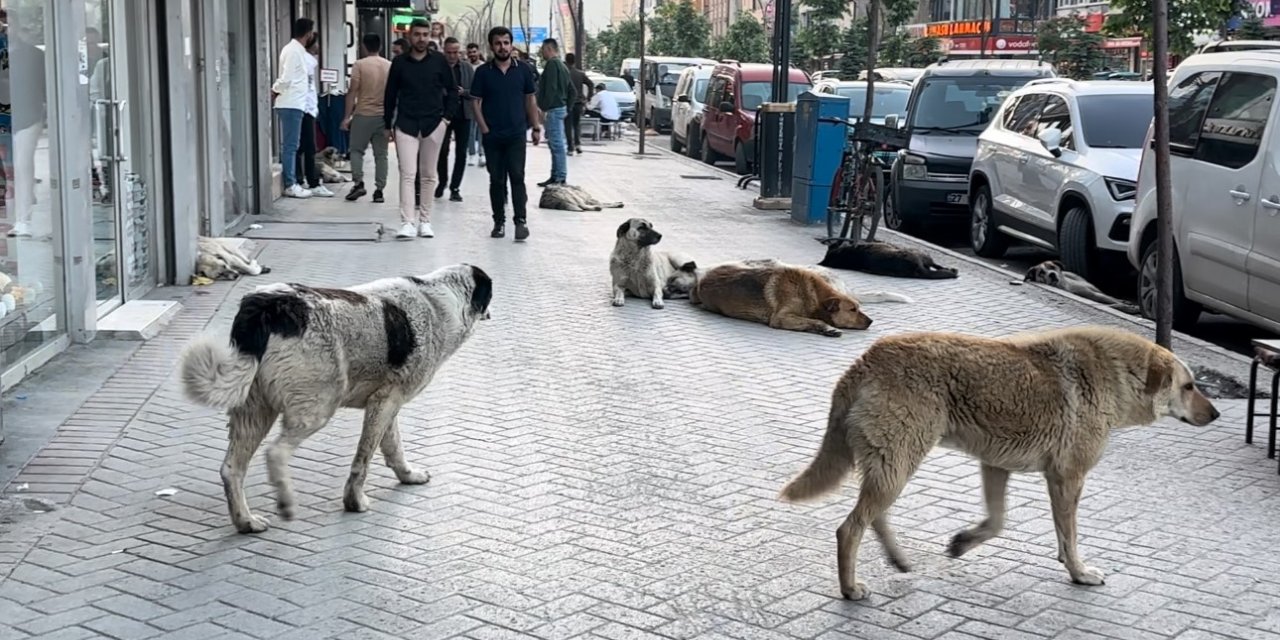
611, 473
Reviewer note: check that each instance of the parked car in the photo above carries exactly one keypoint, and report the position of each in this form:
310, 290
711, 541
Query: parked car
951, 103
735, 92
661, 73
903, 74
1057, 169
632, 65
621, 92
890, 98
1224, 142
1223, 46
686, 111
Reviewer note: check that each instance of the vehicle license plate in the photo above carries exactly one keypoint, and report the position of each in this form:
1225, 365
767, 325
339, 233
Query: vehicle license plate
958, 198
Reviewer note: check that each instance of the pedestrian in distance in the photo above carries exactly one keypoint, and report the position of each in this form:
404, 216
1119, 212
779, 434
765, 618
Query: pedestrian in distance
294, 96
583, 88
503, 101
365, 114
419, 85
556, 94
457, 112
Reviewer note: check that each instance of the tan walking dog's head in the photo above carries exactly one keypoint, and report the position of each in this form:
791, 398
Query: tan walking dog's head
844, 312
639, 232
1173, 391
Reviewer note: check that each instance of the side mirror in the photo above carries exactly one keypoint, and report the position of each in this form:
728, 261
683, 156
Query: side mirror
1052, 140
891, 121
726, 107
683, 98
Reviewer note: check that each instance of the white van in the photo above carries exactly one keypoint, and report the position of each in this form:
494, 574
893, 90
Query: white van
1224, 142
661, 74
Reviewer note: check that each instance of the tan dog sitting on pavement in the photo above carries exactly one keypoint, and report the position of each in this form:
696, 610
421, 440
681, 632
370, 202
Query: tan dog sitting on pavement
1044, 402
637, 268
779, 295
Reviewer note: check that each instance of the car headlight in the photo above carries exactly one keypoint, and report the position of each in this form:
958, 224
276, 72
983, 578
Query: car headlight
1121, 189
913, 167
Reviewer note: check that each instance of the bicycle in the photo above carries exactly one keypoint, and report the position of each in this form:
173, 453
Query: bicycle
856, 202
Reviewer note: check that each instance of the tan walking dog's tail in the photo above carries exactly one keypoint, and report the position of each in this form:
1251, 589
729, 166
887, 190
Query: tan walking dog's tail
834, 459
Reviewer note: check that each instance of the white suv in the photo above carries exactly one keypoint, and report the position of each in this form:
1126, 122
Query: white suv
686, 111
1057, 168
1224, 142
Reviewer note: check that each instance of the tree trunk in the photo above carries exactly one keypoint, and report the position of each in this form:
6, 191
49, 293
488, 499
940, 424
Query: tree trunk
1164, 190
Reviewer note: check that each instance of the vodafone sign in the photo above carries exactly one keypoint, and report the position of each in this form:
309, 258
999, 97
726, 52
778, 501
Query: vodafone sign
1014, 45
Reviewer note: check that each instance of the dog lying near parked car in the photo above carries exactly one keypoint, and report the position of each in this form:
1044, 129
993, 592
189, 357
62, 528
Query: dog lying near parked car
639, 270
303, 352
219, 259
681, 283
1051, 273
567, 197
884, 259
779, 295
1042, 402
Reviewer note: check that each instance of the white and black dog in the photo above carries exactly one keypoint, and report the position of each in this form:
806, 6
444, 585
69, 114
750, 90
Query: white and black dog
302, 352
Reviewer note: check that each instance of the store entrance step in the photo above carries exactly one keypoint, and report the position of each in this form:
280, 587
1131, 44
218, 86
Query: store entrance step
316, 231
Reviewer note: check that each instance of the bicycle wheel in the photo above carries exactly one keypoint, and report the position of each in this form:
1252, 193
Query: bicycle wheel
876, 205
837, 202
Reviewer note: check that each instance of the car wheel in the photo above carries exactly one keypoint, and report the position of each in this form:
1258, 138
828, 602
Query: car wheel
675, 142
984, 238
1185, 312
741, 163
892, 217
1075, 243
692, 137
708, 154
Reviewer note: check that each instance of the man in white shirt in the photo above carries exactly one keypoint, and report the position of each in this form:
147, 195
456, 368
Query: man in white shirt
294, 95
604, 105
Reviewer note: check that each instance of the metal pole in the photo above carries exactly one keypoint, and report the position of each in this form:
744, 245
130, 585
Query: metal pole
873, 43
580, 36
1164, 189
640, 117
782, 50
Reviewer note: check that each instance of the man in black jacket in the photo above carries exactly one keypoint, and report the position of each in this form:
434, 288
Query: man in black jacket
419, 86
458, 111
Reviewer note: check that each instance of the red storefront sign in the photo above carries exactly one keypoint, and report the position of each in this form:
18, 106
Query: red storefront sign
1094, 21
959, 28
996, 45
1122, 43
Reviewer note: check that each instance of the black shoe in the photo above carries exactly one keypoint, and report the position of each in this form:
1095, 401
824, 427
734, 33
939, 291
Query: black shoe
455, 195
522, 231
499, 230
377, 196
440, 191
357, 190
547, 182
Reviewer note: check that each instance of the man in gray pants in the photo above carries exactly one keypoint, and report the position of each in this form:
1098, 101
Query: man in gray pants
364, 116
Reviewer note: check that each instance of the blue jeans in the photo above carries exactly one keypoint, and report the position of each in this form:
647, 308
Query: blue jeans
559, 146
290, 139
473, 141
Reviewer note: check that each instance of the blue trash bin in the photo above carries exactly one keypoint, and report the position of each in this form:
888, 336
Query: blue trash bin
819, 146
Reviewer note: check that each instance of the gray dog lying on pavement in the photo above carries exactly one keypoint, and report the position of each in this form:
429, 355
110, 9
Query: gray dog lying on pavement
567, 197
1051, 273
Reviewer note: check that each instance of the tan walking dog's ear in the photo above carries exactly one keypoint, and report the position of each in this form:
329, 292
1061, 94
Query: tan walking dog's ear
1159, 373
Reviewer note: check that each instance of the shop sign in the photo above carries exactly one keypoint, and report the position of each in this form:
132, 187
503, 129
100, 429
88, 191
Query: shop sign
1122, 43
1093, 22
958, 28
996, 44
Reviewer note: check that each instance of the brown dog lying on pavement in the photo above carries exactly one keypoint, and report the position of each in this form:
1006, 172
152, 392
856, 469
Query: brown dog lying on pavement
781, 296
1042, 402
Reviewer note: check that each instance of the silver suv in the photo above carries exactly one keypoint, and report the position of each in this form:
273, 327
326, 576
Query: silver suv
1057, 169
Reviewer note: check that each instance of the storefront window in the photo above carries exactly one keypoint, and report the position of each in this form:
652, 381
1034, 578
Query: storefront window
30, 275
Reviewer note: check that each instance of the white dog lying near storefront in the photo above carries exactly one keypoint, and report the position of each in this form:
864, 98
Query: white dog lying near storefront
221, 259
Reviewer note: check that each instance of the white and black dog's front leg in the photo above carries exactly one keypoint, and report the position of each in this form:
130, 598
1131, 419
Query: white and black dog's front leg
379, 415
393, 454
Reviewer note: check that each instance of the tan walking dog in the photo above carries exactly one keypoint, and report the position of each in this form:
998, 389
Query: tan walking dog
1043, 402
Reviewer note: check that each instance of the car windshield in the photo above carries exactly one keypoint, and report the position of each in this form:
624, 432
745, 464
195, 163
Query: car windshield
755, 94
616, 85
888, 100
961, 105
700, 89
1115, 122
670, 72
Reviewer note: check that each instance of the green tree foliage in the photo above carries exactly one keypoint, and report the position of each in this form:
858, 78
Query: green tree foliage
745, 41
922, 52
897, 13
1074, 52
1251, 28
615, 44
854, 45
818, 40
679, 30
1186, 18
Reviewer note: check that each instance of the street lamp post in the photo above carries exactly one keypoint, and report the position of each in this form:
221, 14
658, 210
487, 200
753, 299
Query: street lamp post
641, 108
1164, 189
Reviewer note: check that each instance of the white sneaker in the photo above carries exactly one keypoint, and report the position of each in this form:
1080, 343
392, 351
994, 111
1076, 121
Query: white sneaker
425, 230
296, 191
482, 162
471, 161
322, 191
407, 231
20, 230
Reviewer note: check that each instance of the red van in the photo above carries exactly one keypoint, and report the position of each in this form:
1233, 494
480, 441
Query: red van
729, 115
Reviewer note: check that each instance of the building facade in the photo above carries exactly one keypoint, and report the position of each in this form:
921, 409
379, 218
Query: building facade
722, 13
127, 129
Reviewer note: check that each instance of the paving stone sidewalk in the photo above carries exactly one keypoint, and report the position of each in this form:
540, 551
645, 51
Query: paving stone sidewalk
611, 473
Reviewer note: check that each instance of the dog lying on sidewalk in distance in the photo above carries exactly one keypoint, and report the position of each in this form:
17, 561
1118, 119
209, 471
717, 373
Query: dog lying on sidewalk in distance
1044, 402
567, 197
1051, 273
218, 259
302, 352
884, 259
779, 295
681, 283
639, 270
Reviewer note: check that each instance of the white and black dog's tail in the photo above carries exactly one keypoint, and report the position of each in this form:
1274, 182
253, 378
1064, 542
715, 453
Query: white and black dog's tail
216, 374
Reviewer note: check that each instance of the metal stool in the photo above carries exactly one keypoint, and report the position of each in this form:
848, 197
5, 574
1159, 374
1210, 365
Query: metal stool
1267, 354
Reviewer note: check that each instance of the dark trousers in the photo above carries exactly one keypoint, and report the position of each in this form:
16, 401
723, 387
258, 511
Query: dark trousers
307, 153
506, 163
575, 126
458, 131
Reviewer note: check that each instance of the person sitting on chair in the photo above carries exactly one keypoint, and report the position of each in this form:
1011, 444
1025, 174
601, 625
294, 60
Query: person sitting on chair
604, 106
